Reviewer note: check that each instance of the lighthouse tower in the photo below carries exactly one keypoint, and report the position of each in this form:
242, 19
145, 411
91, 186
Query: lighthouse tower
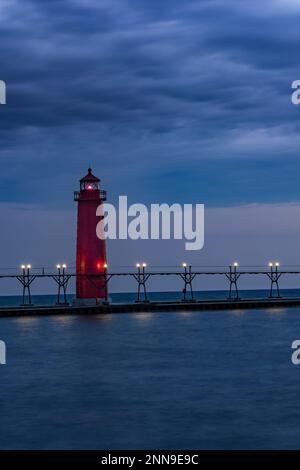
91, 252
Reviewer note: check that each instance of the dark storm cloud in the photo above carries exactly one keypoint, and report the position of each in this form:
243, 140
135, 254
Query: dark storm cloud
170, 82
69, 61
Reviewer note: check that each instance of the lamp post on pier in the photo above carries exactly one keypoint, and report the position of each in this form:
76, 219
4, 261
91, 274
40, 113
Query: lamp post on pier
26, 280
141, 277
62, 280
274, 276
233, 277
188, 278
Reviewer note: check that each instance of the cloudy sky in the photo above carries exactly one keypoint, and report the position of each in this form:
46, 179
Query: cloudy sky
168, 101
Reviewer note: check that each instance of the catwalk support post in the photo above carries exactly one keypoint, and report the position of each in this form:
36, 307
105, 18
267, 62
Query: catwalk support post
62, 280
188, 278
26, 279
141, 277
274, 276
233, 277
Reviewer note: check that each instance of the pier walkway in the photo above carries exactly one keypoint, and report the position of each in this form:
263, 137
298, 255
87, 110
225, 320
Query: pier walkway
164, 306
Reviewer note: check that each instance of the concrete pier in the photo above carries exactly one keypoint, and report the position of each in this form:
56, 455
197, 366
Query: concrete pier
149, 307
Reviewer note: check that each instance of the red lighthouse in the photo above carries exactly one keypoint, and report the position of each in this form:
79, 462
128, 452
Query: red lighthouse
91, 252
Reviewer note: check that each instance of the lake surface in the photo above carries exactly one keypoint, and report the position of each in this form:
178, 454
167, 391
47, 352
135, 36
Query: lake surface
193, 380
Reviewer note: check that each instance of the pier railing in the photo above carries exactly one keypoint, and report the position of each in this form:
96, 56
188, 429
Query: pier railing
141, 276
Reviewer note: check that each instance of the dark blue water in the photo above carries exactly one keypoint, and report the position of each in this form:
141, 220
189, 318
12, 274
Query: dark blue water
207, 380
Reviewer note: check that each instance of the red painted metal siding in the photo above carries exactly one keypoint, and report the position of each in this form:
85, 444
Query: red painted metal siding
91, 251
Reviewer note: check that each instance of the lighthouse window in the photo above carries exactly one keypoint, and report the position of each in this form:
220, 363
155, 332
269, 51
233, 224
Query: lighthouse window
89, 186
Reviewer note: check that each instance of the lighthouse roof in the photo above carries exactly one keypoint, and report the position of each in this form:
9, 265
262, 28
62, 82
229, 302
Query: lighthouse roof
90, 178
